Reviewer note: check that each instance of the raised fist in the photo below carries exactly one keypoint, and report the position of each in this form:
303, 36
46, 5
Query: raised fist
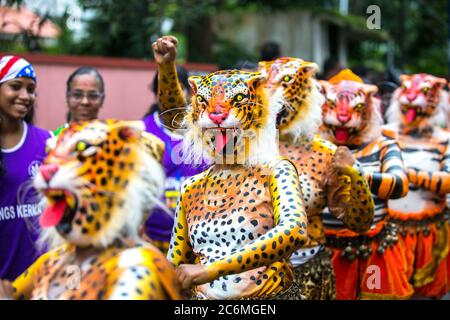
342, 159
165, 49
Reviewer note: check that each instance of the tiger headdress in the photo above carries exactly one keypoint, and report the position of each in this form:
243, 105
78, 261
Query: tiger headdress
351, 112
98, 180
229, 119
293, 80
90, 177
420, 101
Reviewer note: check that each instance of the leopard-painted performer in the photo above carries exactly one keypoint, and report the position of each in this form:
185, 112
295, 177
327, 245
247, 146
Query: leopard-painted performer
165, 122
238, 222
97, 180
326, 173
426, 152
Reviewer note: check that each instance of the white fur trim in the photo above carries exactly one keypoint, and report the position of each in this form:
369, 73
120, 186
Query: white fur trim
312, 120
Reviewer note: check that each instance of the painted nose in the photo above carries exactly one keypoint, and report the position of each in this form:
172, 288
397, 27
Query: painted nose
343, 117
218, 113
411, 97
48, 171
218, 117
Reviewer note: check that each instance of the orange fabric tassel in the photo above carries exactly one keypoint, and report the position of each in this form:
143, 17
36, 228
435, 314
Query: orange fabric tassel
428, 261
385, 276
380, 276
417, 216
346, 273
410, 241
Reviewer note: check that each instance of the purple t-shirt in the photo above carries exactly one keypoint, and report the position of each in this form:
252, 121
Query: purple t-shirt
159, 225
19, 210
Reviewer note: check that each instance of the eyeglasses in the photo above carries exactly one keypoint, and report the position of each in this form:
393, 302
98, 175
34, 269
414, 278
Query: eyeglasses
92, 96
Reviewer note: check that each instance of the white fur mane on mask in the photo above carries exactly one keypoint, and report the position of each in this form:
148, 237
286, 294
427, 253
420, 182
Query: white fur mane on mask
309, 123
437, 118
373, 129
442, 115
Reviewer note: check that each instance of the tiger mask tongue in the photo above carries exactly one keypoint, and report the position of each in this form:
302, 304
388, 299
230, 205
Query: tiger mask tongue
411, 115
53, 214
224, 141
221, 139
62, 205
341, 135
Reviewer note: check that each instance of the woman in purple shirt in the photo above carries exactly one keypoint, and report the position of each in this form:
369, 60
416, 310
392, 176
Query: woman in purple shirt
159, 225
22, 150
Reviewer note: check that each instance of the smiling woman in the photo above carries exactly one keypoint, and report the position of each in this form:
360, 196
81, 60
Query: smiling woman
84, 96
22, 149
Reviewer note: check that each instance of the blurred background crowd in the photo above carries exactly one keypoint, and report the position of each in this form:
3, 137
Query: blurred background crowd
57, 36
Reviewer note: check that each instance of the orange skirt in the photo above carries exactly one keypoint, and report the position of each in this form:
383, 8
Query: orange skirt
427, 246
380, 272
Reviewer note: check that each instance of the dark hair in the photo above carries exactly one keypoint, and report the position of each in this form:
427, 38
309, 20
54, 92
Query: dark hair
270, 51
29, 118
86, 70
183, 76
329, 64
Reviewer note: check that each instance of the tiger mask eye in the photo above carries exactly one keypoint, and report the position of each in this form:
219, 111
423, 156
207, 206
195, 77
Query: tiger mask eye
200, 99
359, 106
287, 78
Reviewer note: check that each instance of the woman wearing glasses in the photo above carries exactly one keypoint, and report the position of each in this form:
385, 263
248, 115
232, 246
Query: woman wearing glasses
85, 95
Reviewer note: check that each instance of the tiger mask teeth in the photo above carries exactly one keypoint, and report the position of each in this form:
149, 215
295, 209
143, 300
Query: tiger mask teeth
55, 195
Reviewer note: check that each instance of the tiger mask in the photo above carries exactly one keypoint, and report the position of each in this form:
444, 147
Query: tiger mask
293, 80
98, 179
351, 114
417, 100
230, 119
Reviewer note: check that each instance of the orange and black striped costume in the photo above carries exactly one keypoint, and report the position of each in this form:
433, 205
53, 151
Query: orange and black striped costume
371, 265
422, 213
382, 164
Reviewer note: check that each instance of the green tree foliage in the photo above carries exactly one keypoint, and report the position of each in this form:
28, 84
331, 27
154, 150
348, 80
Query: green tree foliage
25, 40
418, 30
11, 3
125, 28
118, 28
65, 43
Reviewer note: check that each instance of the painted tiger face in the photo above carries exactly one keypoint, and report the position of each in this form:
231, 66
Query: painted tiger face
419, 97
349, 110
294, 79
229, 111
98, 179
